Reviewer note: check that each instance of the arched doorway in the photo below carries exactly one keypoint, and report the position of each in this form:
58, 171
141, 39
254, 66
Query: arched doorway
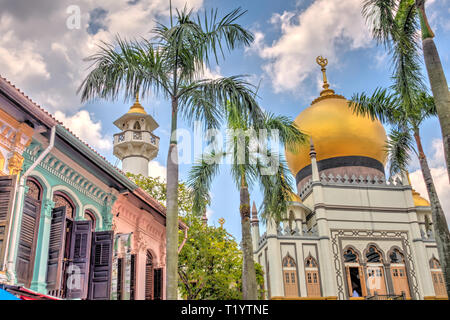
376, 280
69, 250
149, 276
29, 227
356, 283
398, 273
290, 277
312, 277
438, 279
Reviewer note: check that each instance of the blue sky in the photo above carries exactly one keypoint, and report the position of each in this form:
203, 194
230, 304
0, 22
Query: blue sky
44, 59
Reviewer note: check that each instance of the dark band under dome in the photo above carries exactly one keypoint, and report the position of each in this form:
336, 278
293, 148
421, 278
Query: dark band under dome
338, 162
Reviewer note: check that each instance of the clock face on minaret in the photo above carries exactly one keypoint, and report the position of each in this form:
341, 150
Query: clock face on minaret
136, 145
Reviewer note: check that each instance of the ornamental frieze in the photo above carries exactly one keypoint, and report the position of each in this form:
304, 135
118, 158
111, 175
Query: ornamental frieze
67, 174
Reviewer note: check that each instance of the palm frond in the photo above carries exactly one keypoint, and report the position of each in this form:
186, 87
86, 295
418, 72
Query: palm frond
126, 66
379, 15
276, 189
289, 133
381, 105
406, 60
226, 29
399, 147
220, 92
200, 179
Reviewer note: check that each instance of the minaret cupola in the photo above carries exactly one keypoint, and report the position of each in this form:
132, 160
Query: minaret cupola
136, 145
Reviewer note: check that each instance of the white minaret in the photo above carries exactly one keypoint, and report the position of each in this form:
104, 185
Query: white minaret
136, 145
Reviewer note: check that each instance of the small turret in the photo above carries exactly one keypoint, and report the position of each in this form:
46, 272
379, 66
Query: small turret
136, 145
255, 227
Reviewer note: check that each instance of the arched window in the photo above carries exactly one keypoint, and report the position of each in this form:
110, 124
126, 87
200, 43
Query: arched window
356, 283
438, 278
28, 232
351, 256
34, 189
312, 277
62, 200
149, 276
89, 215
376, 281
398, 273
137, 126
290, 277
373, 255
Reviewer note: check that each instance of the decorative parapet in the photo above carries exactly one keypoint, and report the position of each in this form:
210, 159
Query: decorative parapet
369, 180
287, 233
306, 188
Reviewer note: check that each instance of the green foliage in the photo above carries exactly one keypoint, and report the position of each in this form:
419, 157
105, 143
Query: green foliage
157, 188
210, 264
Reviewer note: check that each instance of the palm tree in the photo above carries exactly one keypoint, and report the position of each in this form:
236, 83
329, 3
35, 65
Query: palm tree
276, 185
388, 18
406, 114
172, 63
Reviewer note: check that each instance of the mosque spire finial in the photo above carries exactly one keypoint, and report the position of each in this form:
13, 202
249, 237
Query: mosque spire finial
323, 62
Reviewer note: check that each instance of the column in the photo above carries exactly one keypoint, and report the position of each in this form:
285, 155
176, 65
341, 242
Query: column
274, 258
420, 257
39, 282
327, 275
114, 269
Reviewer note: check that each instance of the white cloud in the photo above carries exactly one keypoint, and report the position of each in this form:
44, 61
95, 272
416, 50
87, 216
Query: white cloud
44, 58
155, 169
209, 213
440, 177
19, 58
82, 125
325, 28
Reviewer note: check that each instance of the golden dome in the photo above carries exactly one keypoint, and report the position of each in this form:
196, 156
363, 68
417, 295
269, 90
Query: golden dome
137, 107
336, 131
418, 200
295, 198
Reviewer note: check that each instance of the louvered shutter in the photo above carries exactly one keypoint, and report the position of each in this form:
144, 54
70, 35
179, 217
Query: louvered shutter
56, 251
149, 277
7, 184
119, 278
79, 259
133, 277
101, 265
158, 279
27, 240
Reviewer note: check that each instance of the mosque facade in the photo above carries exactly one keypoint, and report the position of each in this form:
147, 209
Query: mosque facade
350, 233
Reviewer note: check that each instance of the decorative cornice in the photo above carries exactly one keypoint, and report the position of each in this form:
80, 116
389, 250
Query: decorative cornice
66, 173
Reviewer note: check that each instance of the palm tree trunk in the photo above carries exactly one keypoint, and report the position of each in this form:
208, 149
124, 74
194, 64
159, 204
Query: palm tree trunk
441, 231
172, 211
438, 82
249, 287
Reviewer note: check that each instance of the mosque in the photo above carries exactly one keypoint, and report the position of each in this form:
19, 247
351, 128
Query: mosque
351, 234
